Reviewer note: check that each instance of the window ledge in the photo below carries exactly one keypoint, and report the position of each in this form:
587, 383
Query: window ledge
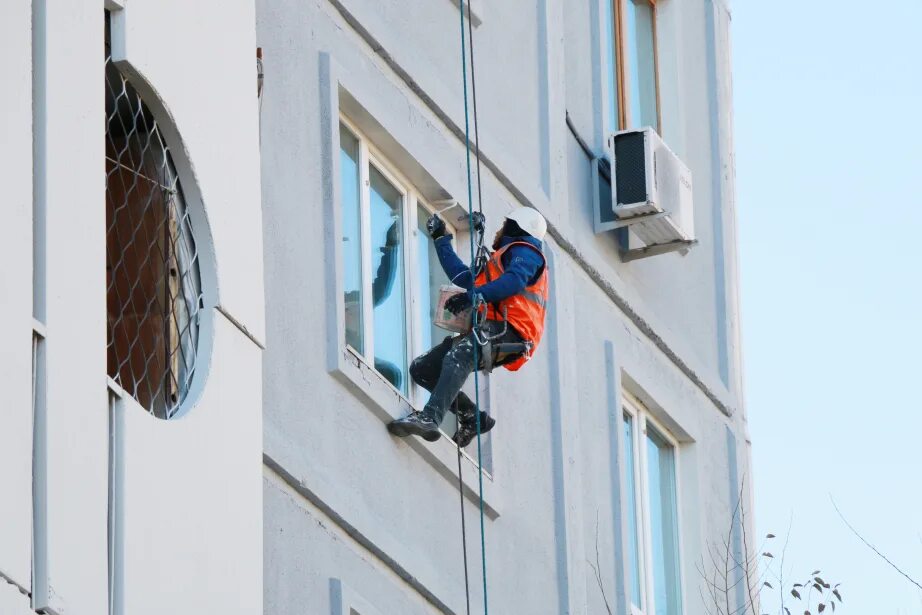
386, 403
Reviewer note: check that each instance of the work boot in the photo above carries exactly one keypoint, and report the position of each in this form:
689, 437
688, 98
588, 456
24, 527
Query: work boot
416, 424
467, 428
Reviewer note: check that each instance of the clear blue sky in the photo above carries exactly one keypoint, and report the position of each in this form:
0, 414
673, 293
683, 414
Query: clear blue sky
828, 103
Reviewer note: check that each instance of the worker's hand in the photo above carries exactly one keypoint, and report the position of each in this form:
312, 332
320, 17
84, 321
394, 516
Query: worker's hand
393, 236
480, 221
435, 226
458, 303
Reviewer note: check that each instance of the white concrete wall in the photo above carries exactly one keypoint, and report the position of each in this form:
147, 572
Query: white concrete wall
71, 190
185, 515
16, 298
188, 489
346, 501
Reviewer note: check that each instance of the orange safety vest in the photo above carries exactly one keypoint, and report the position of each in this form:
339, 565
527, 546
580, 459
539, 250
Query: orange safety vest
524, 311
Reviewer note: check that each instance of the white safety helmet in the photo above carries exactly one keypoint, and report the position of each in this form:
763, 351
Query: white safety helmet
530, 221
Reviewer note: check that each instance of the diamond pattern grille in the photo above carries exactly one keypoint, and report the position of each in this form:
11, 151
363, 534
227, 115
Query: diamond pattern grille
154, 292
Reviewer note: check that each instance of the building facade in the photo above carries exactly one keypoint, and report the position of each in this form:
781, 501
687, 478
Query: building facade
201, 429
621, 448
132, 309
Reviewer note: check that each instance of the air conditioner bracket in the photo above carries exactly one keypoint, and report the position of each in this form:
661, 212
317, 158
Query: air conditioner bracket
680, 245
623, 222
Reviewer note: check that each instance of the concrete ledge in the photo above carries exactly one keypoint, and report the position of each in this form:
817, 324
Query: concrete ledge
14, 600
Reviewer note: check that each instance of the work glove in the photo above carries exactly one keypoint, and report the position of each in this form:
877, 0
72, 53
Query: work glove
435, 226
393, 236
480, 221
458, 303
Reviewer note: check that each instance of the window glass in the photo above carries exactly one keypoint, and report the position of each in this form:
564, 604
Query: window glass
631, 492
640, 68
352, 243
431, 278
387, 267
663, 523
611, 47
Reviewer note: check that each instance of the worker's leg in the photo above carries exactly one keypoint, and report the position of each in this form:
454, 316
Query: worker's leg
426, 369
457, 365
468, 417
443, 371
457, 362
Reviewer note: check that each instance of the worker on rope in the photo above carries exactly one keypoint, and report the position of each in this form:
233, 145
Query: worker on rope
510, 291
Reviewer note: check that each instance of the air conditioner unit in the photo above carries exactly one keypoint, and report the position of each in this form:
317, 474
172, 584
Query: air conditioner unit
651, 192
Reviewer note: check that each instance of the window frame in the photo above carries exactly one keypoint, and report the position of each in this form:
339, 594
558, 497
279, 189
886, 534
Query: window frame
640, 418
369, 155
618, 64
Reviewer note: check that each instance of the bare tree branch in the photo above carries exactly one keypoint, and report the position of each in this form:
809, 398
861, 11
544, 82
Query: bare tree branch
872, 547
598, 565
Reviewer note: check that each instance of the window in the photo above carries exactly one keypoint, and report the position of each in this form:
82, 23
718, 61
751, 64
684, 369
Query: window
391, 274
153, 286
651, 492
632, 78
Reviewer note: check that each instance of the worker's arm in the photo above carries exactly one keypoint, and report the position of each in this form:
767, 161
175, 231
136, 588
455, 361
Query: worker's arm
454, 267
521, 265
387, 269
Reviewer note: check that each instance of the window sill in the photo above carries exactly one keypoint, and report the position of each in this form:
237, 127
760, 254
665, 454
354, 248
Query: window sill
386, 403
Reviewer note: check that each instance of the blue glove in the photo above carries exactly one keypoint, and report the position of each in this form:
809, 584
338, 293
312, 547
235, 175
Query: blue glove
458, 303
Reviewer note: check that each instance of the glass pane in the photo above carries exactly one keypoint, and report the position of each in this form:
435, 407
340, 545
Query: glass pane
631, 492
608, 14
352, 244
641, 64
431, 278
388, 296
664, 529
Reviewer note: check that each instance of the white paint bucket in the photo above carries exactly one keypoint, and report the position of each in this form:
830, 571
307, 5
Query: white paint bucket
460, 323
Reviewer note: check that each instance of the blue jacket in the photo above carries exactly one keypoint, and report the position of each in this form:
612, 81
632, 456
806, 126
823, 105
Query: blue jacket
521, 268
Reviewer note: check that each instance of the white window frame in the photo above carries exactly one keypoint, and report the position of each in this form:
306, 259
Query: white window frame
640, 418
369, 156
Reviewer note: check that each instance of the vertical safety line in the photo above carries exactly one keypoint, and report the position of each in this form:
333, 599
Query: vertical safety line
470, 197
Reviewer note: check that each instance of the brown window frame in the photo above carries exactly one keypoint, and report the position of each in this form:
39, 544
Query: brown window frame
620, 44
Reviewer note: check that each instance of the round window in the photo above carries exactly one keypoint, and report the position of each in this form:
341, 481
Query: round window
154, 290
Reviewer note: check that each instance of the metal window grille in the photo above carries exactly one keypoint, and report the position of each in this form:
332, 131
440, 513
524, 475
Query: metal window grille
154, 292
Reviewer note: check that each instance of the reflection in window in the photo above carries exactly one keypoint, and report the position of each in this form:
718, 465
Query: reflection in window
389, 298
352, 238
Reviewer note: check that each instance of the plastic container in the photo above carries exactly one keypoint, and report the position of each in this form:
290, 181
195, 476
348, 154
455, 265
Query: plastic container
456, 323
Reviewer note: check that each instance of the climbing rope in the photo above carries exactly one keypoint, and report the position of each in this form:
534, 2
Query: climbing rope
475, 253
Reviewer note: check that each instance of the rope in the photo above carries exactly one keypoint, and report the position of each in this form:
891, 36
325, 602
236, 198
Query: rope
470, 201
467, 585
